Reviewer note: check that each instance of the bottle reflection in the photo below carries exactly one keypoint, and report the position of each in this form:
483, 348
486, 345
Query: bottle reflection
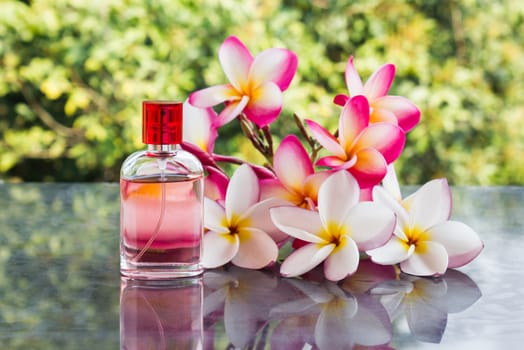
161, 314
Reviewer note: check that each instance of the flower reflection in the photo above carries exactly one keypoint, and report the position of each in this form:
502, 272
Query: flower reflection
332, 316
426, 302
161, 315
258, 309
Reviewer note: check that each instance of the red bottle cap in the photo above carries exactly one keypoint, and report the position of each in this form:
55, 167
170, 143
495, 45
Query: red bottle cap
161, 122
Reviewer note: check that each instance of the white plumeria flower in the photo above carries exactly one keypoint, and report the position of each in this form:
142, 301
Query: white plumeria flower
425, 242
341, 227
240, 232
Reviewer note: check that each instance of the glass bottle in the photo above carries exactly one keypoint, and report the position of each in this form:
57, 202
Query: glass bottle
161, 196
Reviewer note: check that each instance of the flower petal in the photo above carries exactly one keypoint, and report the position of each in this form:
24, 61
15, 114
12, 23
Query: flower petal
461, 242
431, 204
215, 184
407, 114
366, 194
236, 61
354, 118
312, 184
379, 82
371, 225
327, 140
258, 216
342, 262
218, 249
383, 197
353, 81
265, 104
242, 192
335, 324
305, 259
276, 65
273, 188
393, 252
231, 111
256, 249
336, 163
379, 115
341, 99
198, 126
429, 259
370, 167
214, 301
292, 164
337, 195
298, 222
215, 215
390, 183
426, 322
213, 96
386, 138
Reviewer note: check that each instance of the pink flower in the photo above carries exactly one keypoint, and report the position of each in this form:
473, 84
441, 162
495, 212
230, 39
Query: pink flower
426, 242
384, 108
256, 84
335, 234
296, 180
364, 150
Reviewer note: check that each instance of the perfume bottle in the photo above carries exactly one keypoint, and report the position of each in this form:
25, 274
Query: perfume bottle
161, 196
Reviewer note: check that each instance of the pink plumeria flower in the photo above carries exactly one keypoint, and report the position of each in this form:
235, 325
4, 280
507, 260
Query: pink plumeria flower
341, 227
384, 108
240, 231
198, 127
364, 150
426, 242
296, 179
256, 84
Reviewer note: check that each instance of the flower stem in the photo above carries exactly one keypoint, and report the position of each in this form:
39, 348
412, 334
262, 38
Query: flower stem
228, 159
315, 147
260, 137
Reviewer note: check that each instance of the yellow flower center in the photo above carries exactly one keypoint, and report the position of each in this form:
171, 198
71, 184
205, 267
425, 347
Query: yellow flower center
334, 234
235, 227
417, 237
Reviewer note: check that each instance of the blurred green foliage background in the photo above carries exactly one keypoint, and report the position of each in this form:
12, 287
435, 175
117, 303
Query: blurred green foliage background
73, 74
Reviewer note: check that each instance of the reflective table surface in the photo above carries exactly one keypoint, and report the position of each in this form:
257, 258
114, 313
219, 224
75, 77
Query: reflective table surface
60, 287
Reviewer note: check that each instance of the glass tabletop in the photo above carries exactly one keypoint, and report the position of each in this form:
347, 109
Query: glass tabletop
60, 287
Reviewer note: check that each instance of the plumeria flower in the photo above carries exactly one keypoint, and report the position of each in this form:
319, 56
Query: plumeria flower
364, 150
341, 227
198, 127
296, 179
393, 109
241, 230
426, 242
256, 84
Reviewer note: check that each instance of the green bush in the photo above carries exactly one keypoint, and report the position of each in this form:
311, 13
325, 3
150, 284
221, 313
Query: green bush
73, 75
